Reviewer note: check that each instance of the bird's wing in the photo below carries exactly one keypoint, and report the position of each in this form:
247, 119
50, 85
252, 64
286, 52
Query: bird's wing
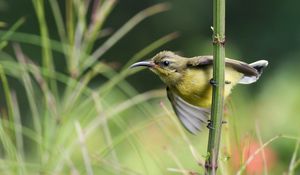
239, 66
192, 117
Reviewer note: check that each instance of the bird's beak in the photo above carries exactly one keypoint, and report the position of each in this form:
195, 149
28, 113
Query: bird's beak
148, 64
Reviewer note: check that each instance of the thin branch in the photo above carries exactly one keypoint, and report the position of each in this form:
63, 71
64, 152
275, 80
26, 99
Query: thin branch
218, 87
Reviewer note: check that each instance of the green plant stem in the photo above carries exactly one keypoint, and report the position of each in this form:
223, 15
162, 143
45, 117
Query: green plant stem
218, 89
70, 21
47, 58
7, 93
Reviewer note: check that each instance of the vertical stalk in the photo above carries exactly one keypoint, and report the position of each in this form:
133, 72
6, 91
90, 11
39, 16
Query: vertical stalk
218, 89
47, 59
70, 21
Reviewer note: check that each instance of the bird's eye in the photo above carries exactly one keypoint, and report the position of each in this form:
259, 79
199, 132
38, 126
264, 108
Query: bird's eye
166, 63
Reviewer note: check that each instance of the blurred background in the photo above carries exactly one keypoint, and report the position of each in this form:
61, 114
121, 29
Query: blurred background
69, 105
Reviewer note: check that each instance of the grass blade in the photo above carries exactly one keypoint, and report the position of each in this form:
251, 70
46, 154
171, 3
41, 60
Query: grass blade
47, 58
7, 93
243, 167
8, 145
263, 151
125, 71
292, 165
98, 17
19, 136
122, 31
86, 158
27, 82
7, 34
106, 131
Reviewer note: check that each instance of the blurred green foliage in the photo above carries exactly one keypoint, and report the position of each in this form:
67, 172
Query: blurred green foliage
139, 135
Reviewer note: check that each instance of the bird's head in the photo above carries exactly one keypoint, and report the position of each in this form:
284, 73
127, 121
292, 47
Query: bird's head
167, 65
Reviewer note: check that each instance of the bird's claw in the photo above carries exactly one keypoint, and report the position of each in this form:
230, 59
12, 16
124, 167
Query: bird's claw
214, 82
224, 122
209, 125
208, 165
227, 82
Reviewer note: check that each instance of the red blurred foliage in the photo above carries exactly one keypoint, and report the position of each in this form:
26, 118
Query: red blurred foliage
245, 150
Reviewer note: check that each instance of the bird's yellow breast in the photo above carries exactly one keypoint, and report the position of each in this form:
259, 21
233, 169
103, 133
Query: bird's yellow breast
195, 88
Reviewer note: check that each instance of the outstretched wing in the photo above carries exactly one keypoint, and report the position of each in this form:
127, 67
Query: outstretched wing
239, 66
192, 117
251, 71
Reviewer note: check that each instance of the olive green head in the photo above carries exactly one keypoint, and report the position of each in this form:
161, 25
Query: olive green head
167, 65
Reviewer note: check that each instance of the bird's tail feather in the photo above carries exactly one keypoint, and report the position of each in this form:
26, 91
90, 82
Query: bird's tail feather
259, 66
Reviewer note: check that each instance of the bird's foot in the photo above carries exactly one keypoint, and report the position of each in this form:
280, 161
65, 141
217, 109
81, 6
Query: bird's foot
210, 166
227, 82
209, 125
214, 82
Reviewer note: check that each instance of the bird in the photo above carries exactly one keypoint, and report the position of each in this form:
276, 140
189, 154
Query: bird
189, 83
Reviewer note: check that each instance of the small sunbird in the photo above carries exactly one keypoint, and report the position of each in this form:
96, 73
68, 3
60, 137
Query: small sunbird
189, 83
